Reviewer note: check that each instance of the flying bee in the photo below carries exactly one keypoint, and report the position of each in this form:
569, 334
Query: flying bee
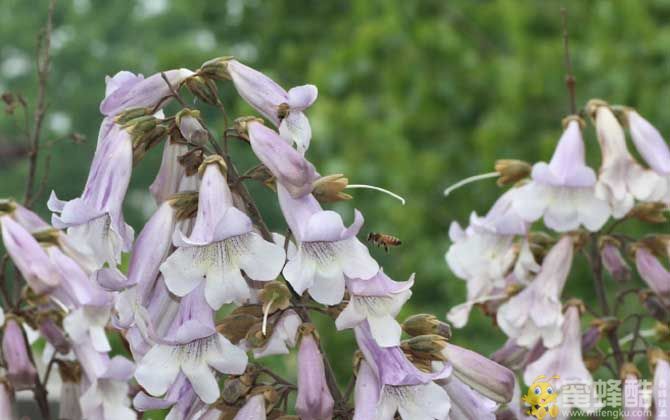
384, 240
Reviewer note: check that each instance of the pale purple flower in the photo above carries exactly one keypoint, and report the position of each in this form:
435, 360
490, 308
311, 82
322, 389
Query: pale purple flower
94, 221
54, 335
191, 128
290, 168
466, 403
649, 142
614, 262
284, 109
6, 402
68, 403
170, 173
221, 244
284, 335
89, 322
632, 393
181, 397
29, 256
564, 360
661, 390
622, 179
314, 401
562, 191
376, 300
20, 370
107, 398
535, 312
126, 90
653, 273
192, 347
253, 409
394, 385
326, 250
485, 376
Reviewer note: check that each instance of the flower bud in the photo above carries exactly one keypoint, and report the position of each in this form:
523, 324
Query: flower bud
20, 370
511, 171
191, 161
427, 347
328, 189
650, 212
654, 305
54, 335
613, 260
203, 88
485, 376
234, 388
216, 68
590, 338
188, 121
421, 324
314, 401
125, 117
241, 125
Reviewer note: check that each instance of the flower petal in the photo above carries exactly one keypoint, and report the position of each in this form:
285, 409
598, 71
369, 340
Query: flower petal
157, 370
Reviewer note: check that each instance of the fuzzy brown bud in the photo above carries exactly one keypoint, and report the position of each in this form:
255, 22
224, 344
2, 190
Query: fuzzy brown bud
216, 68
426, 347
512, 171
649, 212
422, 324
203, 88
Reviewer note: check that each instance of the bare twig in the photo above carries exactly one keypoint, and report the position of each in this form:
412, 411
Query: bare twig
569, 77
175, 94
43, 61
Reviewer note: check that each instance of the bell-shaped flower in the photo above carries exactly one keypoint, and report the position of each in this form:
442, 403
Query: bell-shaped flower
254, 409
95, 221
488, 378
125, 90
649, 142
314, 401
107, 398
20, 370
377, 301
290, 168
221, 244
653, 273
622, 179
466, 403
392, 384
562, 192
284, 109
170, 173
614, 262
193, 347
29, 256
6, 401
660, 393
89, 322
284, 335
535, 312
326, 250
564, 360
181, 397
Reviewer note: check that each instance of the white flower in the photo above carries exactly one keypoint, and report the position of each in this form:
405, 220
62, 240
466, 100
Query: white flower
89, 322
107, 398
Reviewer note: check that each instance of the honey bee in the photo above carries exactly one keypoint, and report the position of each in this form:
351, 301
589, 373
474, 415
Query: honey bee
384, 240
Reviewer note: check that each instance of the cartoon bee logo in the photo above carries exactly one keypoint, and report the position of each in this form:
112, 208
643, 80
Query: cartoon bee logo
541, 399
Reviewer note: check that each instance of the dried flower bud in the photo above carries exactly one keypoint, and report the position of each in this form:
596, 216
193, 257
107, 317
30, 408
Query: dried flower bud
512, 171
20, 370
275, 296
662, 331
185, 204
126, 117
241, 125
191, 161
216, 68
7, 205
8, 98
593, 362
234, 388
426, 347
629, 369
191, 129
328, 189
422, 324
203, 88
256, 337
649, 212
236, 326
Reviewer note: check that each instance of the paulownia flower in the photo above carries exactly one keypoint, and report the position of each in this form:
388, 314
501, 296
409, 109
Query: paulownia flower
20, 370
314, 401
649, 142
107, 398
653, 273
562, 192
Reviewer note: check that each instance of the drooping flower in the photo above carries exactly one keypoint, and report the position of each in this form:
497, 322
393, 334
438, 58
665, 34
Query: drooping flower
292, 170
221, 244
326, 250
28, 256
649, 142
535, 312
613, 261
392, 384
170, 173
107, 398
126, 90
377, 301
467, 404
622, 179
314, 401
193, 347
20, 370
94, 221
191, 128
653, 272
562, 192
284, 109
564, 360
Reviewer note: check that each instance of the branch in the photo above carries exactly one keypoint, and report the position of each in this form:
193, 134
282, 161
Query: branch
569, 77
43, 61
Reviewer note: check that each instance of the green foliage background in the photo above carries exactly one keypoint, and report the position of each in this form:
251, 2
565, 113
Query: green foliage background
413, 96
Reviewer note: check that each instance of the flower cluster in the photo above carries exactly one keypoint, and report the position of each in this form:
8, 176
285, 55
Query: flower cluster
207, 284
517, 272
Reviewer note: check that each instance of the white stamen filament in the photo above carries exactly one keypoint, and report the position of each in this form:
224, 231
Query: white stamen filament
468, 180
372, 187
266, 313
643, 333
